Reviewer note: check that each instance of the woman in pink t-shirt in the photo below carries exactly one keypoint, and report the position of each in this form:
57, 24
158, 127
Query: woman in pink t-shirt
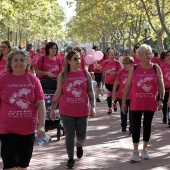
111, 67
49, 66
36, 58
119, 84
5, 49
134, 53
165, 67
22, 101
156, 59
143, 82
74, 87
31, 52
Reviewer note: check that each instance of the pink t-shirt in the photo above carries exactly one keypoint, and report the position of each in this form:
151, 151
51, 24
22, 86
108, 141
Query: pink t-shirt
91, 68
82, 64
18, 112
165, 67
144, 89
54, 66
111, 69
122, 79
3, 69
98, 70
32, 54
74, 99
136, 60
34, 60
43, 50
156, 60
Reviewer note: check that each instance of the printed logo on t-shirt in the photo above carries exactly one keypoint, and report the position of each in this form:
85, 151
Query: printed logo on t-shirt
124, 81
2, 71
17, 98
167, 76
145, 84
74, 88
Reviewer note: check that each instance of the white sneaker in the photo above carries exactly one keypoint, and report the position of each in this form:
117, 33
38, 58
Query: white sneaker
135, 156
144, 154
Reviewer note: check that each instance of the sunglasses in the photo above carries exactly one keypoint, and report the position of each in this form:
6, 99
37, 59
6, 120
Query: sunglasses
126, 63
136, 47
3, 47
76, 59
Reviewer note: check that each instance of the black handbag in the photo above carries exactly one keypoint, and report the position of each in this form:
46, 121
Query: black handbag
49, 83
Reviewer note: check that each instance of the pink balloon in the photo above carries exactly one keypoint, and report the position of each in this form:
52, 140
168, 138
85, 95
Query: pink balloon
89, 59
90, 52
98, 55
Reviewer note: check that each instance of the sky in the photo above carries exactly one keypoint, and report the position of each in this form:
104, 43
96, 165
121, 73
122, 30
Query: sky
69, 11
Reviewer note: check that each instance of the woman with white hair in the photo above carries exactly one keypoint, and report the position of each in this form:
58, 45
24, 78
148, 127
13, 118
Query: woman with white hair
144, 81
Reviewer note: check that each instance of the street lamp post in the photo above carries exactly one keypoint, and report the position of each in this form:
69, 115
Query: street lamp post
9, 34
145, 25
118, 36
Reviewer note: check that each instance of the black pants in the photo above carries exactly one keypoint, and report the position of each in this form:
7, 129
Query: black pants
16, 150
136, 125
109, 99
124, 115
98, 78
165, 106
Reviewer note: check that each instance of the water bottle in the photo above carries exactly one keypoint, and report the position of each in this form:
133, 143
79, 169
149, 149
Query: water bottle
46, 138
40, 142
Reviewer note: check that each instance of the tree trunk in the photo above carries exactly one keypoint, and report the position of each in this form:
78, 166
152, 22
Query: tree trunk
160, 43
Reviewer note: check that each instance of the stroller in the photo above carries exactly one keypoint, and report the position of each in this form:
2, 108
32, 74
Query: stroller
49, 86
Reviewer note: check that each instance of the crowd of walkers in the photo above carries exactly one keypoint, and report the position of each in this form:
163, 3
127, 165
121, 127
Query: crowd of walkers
131, 80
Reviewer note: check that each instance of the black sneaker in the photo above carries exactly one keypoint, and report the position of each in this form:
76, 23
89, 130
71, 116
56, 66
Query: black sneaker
97, 99
70, 163
114, 107
169, 123
164, 120
79, 152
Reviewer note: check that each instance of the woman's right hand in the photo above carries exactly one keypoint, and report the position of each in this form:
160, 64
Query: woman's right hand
113, 96
124, 107
169, 103
49, 74
52, 115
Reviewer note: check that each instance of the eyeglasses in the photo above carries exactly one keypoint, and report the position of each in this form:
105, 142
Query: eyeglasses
126, 63
3, 47
76, 59
137, 47
147, 54
54, 48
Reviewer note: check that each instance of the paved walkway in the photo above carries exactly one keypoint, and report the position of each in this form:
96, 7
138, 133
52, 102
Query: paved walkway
106, 147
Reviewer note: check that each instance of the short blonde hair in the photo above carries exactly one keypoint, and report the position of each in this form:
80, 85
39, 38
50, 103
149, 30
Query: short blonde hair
128, 60
143, 48
77, 48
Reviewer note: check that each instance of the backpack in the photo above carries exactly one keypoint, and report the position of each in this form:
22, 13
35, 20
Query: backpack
154, 67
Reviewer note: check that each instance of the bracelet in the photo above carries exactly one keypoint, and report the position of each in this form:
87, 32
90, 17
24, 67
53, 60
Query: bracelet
41, 128
161, 100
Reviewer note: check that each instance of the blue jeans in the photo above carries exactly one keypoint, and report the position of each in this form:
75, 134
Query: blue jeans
124, 116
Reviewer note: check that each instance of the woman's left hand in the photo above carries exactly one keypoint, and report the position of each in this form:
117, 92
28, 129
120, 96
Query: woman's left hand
41, 132
113, 73
92, 112
159, 105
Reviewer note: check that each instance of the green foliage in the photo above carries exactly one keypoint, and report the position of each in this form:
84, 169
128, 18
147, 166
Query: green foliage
32, 19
